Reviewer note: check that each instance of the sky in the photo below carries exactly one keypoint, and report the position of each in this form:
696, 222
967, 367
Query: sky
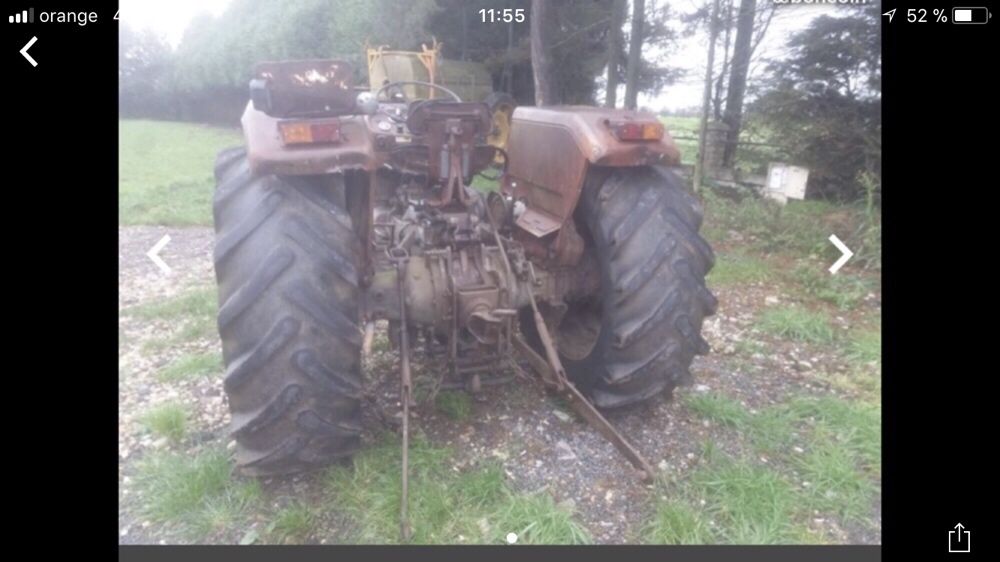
169, 19
691, 54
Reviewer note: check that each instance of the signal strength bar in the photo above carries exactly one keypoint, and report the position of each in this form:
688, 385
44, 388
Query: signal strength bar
26, 16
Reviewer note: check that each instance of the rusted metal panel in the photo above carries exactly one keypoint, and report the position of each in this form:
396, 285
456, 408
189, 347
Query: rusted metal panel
588, 127
545, 166
551, 150
267, 154
538, 223
308, 87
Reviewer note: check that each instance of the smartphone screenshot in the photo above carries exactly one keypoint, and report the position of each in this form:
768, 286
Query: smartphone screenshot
526, 272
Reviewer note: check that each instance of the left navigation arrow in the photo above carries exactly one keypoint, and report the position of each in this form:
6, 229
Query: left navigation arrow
154, 253
24, 51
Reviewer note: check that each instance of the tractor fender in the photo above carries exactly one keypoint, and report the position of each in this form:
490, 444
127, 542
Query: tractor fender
550, 151
268, 155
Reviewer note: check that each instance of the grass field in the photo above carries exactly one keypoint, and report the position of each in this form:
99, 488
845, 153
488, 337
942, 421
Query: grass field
787, 440
165, 171
750, 159
684, 127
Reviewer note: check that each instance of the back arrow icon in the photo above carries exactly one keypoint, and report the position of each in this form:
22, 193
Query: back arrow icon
24, 51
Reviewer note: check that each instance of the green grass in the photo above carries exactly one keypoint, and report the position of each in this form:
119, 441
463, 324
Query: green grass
191, 366
845, 291
825, 455
200, 301
455, 405
749, 158
536, 519
863, 377
835, 484
683, 127
165, 171
192, 314
718, 408
865, 347
446, 505
855, 425
736, 268
799, 228
750, 504
168, 420
175, 485
195, 495
796, 323
223, 511
678, 523
292, 524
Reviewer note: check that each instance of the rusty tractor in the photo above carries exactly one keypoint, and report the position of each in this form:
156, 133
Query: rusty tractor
346, 207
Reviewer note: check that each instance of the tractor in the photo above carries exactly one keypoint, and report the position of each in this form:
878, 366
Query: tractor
347, 209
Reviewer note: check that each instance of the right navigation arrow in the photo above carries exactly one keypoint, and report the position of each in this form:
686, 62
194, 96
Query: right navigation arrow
844, 250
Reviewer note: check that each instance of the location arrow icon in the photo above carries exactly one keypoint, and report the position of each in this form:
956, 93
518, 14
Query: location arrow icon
844, 250
890, 13
154, 253
24, 51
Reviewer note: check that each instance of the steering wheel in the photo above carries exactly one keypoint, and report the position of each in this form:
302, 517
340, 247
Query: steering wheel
383, 89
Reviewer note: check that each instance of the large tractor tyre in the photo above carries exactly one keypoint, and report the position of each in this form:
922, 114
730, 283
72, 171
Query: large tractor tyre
287, 262
638, 336
502, 111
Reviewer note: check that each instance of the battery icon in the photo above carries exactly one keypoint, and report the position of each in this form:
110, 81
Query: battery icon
970, 15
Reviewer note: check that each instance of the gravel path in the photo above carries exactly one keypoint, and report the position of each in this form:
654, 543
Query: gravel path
189, 255
541, 445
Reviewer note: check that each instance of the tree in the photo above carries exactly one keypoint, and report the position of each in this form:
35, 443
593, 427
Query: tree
503, 47
824, 100
634, 53
144, 65
727, 29
614, 51
541, 65
733, 114
713, 32
209, 72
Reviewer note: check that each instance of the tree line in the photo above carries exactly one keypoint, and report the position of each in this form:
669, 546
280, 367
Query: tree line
210, 68
821, 98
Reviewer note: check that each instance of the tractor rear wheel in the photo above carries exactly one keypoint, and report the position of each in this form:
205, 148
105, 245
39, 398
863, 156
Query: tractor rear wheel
638, 336
287, 262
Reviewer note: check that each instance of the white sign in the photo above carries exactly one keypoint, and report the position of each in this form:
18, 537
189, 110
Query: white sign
785, 182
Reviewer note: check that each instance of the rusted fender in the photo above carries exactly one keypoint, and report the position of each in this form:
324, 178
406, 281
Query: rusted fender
550, 151
588, 128
267, 154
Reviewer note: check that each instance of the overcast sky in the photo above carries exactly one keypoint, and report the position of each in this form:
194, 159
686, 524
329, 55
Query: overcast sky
691, 54
169, 19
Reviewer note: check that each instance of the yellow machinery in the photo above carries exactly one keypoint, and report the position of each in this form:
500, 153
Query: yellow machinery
470, 80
